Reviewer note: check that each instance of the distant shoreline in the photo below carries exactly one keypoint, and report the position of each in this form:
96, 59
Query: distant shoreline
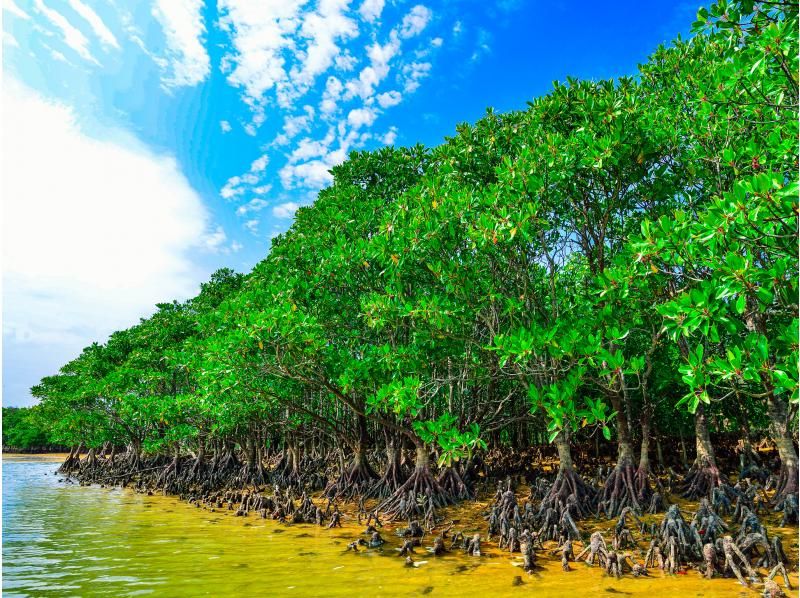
48, 454
38, 450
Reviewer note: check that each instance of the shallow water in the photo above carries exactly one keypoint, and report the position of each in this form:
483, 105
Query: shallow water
67, 540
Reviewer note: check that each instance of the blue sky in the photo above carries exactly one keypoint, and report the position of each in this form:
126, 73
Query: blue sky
147, 144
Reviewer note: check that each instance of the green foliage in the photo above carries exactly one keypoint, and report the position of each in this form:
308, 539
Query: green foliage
24, 429
617, 243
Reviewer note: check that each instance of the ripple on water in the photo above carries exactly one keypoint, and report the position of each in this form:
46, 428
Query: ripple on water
62, 540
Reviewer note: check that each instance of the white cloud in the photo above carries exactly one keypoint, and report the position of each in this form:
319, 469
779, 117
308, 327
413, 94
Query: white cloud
58, 56
213, 241
281, 46
10, 7
72, 37
360, 117
437, 42
309, 148
236, 246
371, 10
390, 137
483, 47
95, 232
294, 125
184, 29
95, 22
252, 225
309, 164
285, 210
345, 61
415, 21
322, 30
225, 126
10, 40
331, 95
254, 205
413, 73
231, 188
389, 99
260, 32
312, 174
276, 56
371, 76
259, 164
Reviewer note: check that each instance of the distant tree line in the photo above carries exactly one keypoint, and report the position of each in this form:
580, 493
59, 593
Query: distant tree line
24, 431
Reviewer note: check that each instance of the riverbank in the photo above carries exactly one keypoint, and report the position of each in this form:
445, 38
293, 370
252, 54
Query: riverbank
297, 552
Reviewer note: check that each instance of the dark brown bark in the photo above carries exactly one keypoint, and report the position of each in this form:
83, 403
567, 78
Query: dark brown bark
419, 493
620, 489
787, 452
568, 490
704, 475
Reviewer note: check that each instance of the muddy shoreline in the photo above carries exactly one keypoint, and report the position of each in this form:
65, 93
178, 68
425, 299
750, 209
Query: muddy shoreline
473, 531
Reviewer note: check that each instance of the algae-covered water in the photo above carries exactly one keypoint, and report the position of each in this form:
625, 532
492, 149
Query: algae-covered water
67, 540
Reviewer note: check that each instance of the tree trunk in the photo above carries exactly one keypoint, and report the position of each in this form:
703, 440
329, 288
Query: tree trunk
405, 503
393, 476
620, 489
684, 455
564, 452
704, 474
781, 434
644, 474
659, 453
568, 491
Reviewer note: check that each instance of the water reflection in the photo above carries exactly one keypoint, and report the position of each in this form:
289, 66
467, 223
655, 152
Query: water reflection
66, 540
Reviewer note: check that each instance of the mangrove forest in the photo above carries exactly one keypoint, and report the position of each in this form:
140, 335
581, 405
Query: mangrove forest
568, 333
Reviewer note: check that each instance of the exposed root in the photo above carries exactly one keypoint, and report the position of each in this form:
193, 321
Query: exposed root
393, 478
357, 480
621, 490
251, 474
787, 483
420, 496
701, 480
72, 462
569, 491
452, 481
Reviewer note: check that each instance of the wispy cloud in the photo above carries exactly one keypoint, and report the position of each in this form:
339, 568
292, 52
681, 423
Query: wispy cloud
371, 10
184, 30
285, 210
70, 34
288, 53
95, 22
10, 7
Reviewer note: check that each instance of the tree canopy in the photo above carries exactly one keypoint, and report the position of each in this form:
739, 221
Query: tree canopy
618, 252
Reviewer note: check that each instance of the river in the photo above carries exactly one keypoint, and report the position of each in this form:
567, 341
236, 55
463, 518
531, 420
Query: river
66, 540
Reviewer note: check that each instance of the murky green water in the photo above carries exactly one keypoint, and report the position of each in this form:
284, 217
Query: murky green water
66, 540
